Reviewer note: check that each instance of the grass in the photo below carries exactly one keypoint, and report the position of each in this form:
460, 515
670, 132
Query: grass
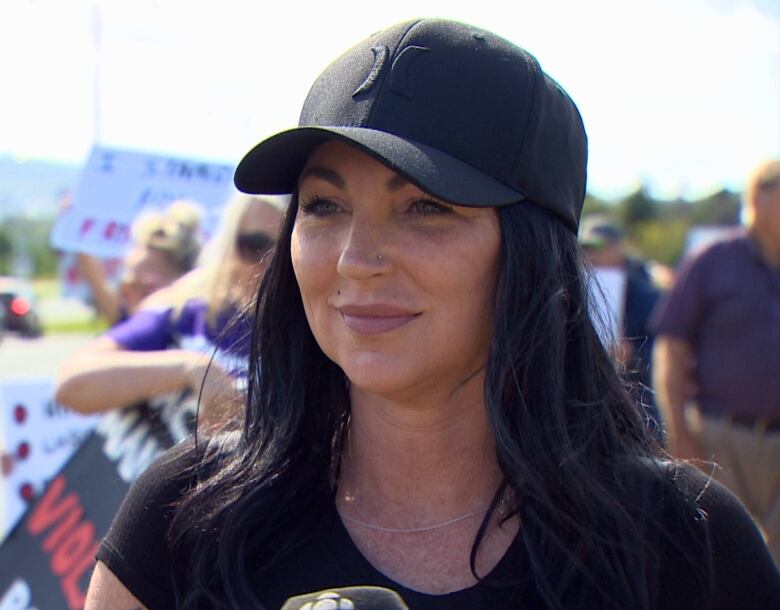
50, 288
46, 287
91, 326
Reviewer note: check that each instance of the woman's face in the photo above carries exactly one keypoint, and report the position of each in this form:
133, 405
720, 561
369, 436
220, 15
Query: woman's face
146, 271
398, 287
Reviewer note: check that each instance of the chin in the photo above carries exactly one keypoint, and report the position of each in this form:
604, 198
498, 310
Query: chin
378, 374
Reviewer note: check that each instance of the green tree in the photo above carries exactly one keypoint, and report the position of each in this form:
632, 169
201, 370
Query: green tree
595, 205
21, 236
721, 208
6, 250
661, 240
636, 208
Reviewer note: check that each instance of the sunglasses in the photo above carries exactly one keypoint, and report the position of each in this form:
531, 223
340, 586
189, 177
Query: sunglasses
252, 247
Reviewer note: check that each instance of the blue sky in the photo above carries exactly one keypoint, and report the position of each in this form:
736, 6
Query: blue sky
682, 95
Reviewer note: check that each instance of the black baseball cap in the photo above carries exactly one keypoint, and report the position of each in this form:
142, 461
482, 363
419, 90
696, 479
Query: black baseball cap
464, 114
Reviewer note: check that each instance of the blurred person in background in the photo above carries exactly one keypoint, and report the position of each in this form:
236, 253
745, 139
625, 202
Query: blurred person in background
160, 349
604, 245
165, 246
717, 356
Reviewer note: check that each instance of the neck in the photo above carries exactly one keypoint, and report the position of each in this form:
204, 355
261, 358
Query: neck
418, 464
770, 249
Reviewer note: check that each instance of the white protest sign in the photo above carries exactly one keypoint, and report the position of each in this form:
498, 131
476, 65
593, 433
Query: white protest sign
117, 186
608, 298
37, 437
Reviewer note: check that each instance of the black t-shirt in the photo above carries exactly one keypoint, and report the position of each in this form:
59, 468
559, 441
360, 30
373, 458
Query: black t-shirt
136, 551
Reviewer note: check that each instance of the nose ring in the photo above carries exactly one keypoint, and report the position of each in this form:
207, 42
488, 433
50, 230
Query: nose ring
379, 257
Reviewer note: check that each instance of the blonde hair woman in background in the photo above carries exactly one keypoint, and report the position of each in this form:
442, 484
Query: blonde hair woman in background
165, 246
165, 346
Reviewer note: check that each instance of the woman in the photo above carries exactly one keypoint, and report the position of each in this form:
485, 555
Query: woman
165, 247
165, 346
430, 409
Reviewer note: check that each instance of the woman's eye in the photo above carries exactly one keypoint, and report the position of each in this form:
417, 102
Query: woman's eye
319, 206
428, 207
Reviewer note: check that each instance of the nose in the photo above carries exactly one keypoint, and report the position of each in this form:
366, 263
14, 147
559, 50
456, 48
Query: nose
362, 254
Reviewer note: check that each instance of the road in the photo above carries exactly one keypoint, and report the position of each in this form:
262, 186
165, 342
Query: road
25, 358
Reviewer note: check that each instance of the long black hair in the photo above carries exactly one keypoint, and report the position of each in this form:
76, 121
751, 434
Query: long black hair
580, 466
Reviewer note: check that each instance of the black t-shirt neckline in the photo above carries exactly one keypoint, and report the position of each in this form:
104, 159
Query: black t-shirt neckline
343, 551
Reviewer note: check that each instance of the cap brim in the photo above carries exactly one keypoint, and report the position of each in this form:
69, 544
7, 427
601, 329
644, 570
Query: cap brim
273, 166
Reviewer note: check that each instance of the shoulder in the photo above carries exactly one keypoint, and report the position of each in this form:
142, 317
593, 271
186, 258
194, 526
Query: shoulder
690, 502
174, 466
739, 562
192, 312
195, 306
136, 548
714, 504
641, 292
175, 472
147, 329
698, 279
728, 521
706, 544
152, 497
725, 248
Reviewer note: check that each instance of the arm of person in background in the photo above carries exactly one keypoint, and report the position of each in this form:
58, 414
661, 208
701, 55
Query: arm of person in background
673, 383
106, 300
104, 376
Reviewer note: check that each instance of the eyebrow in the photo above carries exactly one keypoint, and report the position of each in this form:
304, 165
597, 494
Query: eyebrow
328, 175
395, 183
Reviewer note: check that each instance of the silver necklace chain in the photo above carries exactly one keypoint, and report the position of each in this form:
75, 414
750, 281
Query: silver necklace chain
414, 530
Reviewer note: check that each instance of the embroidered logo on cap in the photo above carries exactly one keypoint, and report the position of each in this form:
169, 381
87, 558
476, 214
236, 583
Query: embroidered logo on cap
380, 57
400, 69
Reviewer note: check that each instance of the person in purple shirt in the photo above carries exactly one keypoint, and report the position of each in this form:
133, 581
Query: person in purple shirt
717, 356
168, 345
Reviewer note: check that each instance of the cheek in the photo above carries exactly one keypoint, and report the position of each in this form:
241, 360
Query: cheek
305, 264
313, 267
482, 291
466, 290
484, 280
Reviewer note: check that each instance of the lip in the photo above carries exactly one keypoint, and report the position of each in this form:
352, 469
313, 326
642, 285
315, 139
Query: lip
375, 318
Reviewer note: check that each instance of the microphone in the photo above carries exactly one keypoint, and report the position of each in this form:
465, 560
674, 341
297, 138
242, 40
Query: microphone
347, 598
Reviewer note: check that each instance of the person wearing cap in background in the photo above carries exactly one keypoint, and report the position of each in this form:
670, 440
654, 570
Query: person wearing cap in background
430, 409
717, 356
604, 244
